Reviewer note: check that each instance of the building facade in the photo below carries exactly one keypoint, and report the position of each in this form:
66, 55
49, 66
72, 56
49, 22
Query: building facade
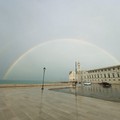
72, 76
75, 75
107, 74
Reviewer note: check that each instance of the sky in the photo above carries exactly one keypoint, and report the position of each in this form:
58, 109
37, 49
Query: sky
25, 24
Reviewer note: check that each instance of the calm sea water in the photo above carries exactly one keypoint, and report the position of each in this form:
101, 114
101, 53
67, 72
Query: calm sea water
23, 82
96, 91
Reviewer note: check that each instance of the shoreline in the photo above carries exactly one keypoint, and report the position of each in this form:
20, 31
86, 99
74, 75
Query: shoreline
32, 85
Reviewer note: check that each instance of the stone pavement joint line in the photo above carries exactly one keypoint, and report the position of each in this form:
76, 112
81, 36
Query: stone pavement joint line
33, 104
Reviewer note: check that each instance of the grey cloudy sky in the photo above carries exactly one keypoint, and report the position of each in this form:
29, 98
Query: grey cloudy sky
27, 23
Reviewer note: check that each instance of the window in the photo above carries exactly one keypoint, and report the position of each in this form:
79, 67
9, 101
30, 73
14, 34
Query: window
108, 75
98, 75
95, 76
118, 75
105, 75
113, 75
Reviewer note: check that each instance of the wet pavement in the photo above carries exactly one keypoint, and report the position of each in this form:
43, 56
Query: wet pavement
111, 93
33, 104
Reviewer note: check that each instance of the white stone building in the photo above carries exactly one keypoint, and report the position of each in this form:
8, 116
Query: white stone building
107, 74
72, 76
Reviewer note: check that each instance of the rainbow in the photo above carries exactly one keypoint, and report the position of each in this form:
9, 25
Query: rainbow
74, 41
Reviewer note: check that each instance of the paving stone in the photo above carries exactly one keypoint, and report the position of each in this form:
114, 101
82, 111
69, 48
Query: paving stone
31, 104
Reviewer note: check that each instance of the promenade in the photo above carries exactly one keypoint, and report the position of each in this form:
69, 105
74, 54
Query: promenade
30, 103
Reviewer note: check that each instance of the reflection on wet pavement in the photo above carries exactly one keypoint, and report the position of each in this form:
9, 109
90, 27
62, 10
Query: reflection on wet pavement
34, 104
96, 91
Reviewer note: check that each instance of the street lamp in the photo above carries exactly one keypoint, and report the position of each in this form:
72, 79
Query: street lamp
43, 78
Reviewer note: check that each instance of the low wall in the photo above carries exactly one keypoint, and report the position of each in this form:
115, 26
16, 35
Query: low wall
32, 85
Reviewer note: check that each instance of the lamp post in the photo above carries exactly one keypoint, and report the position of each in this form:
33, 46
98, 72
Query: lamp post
43, 78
